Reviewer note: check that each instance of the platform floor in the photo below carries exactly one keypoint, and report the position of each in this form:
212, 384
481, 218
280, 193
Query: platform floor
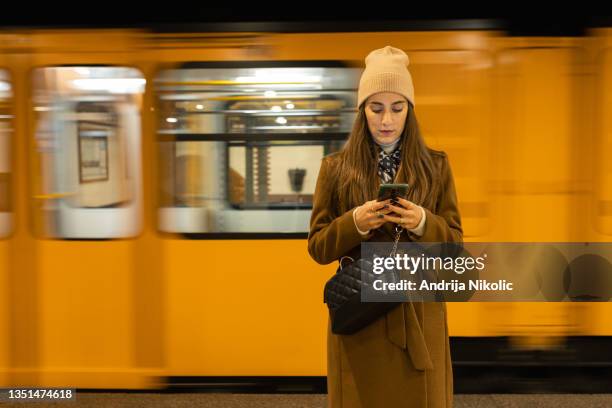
217, 400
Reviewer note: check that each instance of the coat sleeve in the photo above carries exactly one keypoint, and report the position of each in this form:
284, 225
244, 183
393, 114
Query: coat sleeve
330, 237
445, 224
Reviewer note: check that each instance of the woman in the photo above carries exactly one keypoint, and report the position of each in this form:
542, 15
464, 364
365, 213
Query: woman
403, 358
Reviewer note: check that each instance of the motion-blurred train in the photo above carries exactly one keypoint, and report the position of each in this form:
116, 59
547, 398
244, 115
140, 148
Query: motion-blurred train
156, 189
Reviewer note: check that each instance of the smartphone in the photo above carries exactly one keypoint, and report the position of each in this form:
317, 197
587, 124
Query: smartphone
392, 191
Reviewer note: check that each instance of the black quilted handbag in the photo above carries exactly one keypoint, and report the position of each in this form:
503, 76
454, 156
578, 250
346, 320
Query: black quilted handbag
342, 294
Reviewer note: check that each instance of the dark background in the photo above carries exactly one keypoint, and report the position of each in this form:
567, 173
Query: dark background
295, 16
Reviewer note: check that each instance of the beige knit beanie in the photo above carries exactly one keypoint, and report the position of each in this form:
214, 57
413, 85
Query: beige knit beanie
386, 70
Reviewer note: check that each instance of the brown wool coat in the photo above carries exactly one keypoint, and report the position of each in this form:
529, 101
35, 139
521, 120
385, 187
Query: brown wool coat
403, 358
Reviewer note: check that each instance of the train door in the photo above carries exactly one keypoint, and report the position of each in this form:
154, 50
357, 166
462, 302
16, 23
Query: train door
595, 317
540, 184
98, 313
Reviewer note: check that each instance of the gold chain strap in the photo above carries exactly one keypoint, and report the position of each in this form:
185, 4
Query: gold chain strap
398, 232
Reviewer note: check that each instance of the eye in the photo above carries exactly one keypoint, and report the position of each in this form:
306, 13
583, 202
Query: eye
377, 110
398, 110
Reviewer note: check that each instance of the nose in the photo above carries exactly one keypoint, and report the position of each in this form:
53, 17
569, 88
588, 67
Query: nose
387, 119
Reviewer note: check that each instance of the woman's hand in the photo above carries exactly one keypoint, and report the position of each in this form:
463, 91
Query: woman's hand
408, 215
371, 214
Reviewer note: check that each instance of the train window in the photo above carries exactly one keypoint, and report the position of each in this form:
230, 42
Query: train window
241, 146
88, 141
6, 116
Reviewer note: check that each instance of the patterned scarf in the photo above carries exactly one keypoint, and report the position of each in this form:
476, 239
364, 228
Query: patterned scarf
388, 164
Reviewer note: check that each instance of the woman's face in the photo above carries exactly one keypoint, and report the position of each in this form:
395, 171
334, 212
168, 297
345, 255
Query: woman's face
386, 115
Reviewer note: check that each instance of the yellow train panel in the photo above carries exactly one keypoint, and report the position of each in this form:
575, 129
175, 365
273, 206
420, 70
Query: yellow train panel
227, 302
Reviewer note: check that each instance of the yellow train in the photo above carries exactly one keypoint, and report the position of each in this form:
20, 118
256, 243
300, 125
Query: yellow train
155, 190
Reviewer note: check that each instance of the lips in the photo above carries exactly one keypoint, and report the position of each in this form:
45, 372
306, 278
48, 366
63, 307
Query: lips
386, 132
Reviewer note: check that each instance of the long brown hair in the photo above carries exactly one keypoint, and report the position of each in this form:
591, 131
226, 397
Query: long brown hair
356, 178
